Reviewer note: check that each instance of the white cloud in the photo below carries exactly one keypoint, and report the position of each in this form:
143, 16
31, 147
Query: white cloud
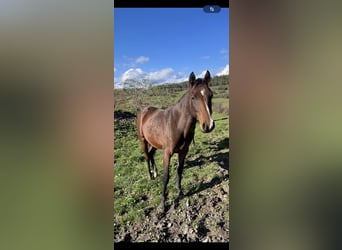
202, 74
224, 71
114, 69
223, 51
166, 75
133, 62
132, 74
141, 59
205, 57
161, 75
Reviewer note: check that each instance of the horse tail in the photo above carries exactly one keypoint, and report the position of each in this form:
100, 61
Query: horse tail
138, 121
140, 117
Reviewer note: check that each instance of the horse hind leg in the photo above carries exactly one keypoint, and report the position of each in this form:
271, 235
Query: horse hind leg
151, 153
145, 147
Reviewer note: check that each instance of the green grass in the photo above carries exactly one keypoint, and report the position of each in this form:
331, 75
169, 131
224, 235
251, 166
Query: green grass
220, 100
134, 192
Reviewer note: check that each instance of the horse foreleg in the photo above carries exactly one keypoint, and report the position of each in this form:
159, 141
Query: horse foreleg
181, 158
166, 164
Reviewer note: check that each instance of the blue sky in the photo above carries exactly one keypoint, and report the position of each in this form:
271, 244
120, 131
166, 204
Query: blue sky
164, 45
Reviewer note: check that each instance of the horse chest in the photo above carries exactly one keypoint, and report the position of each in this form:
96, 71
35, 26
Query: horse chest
184, 141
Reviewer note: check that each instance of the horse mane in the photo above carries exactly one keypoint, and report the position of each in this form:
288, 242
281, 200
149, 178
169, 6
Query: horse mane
183, 96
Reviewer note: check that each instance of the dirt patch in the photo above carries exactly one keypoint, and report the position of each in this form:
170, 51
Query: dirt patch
200, 217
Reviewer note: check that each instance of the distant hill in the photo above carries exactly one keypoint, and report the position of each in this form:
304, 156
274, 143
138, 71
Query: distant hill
162, 96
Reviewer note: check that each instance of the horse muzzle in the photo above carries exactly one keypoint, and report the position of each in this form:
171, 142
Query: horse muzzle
206, 129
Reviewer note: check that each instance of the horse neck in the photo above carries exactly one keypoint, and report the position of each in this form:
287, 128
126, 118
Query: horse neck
187, 112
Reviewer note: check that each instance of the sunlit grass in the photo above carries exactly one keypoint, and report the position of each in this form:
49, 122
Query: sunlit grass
134, 192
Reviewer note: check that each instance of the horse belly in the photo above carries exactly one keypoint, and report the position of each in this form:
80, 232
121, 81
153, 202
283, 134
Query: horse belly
154, 135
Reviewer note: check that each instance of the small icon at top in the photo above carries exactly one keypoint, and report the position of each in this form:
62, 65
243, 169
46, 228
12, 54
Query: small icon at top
211, 8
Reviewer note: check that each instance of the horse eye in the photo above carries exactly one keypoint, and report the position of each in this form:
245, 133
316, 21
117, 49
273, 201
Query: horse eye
193, 97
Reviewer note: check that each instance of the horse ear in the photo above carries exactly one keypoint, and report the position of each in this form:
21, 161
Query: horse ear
192, 79
207, 76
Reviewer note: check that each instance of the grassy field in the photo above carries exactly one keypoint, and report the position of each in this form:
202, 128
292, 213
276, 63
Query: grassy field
134, 194
162, 96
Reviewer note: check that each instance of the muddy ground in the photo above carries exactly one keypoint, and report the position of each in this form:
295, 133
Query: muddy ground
200, 217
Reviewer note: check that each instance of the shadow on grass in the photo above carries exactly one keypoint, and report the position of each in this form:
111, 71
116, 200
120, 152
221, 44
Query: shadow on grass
203, 186
216, 146
222, 159
223, 144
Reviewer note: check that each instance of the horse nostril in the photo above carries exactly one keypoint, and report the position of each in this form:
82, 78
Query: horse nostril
205, 127
212, 128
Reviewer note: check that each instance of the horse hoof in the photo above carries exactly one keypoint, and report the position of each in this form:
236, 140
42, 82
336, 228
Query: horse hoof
176, 204
161, 212
161, 215
179, 197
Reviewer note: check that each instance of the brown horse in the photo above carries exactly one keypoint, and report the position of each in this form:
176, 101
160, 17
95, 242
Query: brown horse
173, 129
